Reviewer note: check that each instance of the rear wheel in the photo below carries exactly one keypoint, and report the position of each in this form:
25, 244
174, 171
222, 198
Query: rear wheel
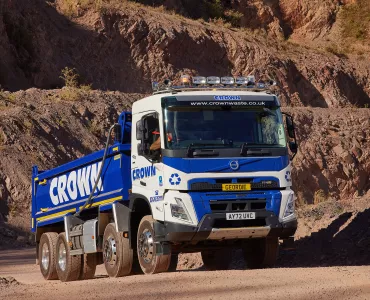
261, 253
47, 251
88, 268
68, 266
150, 263
216, 259
117, 254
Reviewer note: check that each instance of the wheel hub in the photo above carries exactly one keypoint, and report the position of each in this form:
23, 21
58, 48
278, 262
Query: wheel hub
62, 257
45, 257
110, 251
146, 246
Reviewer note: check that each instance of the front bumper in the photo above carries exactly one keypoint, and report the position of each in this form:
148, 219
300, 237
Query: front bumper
208, 229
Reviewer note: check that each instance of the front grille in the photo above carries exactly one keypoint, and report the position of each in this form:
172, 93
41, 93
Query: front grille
240, 205
219, 223
206, 186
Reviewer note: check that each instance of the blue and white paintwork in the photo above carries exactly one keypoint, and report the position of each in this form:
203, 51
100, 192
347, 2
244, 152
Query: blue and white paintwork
63, 190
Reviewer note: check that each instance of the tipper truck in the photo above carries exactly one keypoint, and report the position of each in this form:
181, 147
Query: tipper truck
203, 166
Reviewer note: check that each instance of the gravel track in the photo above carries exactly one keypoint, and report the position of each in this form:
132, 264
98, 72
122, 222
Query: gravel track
280, 283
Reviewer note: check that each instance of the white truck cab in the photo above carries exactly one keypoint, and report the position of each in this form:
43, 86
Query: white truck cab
222, 175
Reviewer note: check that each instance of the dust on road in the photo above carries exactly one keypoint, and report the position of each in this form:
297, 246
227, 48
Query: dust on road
280, 283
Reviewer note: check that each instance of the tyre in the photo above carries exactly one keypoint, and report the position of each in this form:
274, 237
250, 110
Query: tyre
150, 263
216, 259
47, 252
68, 266
261, 253
117, 254
88, 266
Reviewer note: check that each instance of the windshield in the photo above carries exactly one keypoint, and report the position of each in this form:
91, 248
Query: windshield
227, 126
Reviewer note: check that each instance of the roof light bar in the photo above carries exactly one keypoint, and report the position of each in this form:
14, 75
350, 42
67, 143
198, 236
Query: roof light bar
213, 80
241, 80
228, 80
199, 80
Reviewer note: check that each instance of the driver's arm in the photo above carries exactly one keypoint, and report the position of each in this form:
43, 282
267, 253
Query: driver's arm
156, 145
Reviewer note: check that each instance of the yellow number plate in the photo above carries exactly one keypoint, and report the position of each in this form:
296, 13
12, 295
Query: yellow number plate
236, 187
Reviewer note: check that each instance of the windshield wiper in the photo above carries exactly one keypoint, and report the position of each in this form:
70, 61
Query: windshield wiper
210, 152
244, 151
267, 112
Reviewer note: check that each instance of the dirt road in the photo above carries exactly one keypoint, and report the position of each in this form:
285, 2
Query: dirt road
294, 283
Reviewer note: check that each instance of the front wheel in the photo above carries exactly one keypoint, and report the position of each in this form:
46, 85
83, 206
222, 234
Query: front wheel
150, 263
260, 253
216, 259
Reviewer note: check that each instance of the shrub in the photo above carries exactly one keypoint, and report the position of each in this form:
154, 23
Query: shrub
234, 17
70, 77
214, 8
70, 94
86, 87
320, 196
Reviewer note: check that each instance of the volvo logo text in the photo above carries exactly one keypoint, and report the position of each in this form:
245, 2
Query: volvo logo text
234, 165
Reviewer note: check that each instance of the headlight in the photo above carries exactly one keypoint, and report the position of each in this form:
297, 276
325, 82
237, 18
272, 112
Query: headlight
179, 211
289, 208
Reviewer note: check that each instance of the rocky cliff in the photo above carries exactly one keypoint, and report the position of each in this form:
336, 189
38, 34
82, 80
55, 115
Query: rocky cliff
123, 46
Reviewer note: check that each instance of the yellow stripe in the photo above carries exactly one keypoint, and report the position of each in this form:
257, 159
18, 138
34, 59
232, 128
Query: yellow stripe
64, 212
73, 209
115, 149
104, 202
36, 179
43, 182
117, 157
44, 209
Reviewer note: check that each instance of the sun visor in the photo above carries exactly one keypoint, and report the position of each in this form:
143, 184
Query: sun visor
223, 100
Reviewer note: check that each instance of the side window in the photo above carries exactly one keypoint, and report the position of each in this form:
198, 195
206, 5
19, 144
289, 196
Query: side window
147, 131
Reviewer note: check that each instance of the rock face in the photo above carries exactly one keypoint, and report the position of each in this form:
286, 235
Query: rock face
334, 158
126, 48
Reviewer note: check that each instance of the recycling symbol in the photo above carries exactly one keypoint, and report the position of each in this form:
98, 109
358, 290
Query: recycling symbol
287, 176
175, 179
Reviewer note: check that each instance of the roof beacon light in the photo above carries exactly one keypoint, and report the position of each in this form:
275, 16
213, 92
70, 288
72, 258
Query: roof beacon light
251, 80
261, 85
167, 83
185, 80
227, 80
199, 80
241, 80
213, 80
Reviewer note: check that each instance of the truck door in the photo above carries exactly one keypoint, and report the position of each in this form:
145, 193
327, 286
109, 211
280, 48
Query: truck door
146, 161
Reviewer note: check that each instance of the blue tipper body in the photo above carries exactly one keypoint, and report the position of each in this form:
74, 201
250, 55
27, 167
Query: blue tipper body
65, 189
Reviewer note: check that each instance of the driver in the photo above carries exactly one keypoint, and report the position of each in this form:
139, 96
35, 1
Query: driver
157, 141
